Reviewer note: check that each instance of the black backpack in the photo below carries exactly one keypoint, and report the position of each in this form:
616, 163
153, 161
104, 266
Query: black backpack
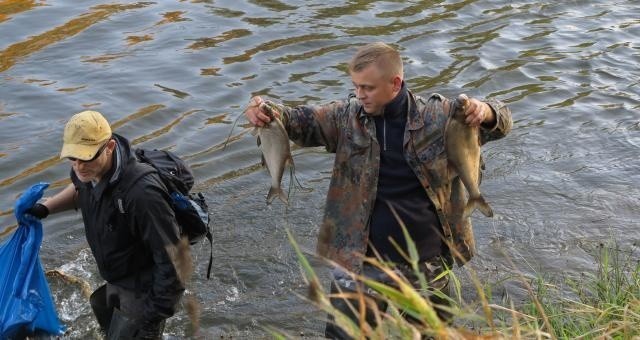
190, 209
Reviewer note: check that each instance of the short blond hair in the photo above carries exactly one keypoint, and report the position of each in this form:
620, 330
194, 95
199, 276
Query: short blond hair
383, 55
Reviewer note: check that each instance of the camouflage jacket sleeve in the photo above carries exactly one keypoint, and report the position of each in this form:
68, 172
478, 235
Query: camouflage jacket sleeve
503, 122
315, 125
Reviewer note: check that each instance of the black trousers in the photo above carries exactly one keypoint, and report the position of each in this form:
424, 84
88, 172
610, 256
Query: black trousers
117, 311
431, 270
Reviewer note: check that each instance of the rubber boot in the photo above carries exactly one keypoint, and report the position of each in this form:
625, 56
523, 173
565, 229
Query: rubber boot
100, 308
122, 327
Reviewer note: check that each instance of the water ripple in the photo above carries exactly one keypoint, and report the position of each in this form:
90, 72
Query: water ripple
175, 74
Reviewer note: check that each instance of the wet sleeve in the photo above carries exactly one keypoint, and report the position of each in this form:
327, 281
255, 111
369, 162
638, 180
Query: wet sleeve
503, 123
160, 234
314, 125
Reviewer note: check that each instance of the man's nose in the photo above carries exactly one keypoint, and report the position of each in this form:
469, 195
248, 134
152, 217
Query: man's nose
359, 93
78, 164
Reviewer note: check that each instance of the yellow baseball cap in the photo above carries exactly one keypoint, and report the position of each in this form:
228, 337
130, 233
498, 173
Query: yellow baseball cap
84, 134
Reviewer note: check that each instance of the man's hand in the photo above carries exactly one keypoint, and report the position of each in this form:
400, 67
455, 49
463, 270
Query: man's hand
478, 113
255, 114
38, 211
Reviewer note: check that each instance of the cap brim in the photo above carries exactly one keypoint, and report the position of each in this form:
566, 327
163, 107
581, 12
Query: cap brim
79, 151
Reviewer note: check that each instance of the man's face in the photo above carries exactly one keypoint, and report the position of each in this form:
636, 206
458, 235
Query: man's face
374, 89
94, 169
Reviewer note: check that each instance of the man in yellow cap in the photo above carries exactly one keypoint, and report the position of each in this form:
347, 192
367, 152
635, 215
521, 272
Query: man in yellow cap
133, 238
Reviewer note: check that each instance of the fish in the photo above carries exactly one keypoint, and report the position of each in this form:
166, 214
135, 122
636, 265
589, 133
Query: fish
85, 287
462, 146
273, 141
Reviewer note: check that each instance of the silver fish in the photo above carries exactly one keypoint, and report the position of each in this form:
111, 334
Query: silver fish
462, 145
273, 140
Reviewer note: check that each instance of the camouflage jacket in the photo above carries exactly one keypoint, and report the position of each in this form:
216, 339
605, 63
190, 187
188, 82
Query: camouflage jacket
343, 128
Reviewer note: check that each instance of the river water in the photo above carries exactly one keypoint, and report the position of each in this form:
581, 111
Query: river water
175, 74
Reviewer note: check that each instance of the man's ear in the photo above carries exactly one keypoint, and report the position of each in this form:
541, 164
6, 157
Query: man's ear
397, 83
111, 144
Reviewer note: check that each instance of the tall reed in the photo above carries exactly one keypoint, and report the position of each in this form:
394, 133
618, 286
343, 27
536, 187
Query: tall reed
600, 305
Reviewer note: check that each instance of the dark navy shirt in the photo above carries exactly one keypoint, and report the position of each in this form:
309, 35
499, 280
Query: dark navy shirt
399, 186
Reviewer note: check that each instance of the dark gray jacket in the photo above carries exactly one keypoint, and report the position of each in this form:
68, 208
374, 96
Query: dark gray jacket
131, 229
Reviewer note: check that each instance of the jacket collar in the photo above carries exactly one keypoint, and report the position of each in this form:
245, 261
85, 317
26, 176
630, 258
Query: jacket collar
397, 106
416, 120
122, 158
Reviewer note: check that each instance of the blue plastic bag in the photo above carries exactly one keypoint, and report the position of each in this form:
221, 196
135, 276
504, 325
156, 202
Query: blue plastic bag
25, 299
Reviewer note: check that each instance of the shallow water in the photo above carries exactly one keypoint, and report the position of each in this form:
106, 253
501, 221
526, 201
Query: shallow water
174, 75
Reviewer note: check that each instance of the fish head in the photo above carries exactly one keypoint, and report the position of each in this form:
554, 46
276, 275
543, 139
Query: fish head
270, 109
459, 107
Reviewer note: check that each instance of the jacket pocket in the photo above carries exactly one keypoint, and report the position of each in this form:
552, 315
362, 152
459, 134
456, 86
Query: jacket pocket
429, 148
117, 244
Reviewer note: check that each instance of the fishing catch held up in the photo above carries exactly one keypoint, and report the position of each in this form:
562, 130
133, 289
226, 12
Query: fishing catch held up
273, 141
462, 145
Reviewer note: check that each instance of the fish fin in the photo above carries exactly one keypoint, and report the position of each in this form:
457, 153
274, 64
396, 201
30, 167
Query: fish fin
292, 173
263, 162
294, 177
254, 132
283, 197
277, 192
477, 203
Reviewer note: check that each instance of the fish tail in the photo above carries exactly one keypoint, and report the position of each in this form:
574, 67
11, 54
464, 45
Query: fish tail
277, 192
477, 203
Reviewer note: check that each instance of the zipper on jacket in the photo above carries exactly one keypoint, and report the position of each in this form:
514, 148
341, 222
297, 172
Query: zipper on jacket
384, 133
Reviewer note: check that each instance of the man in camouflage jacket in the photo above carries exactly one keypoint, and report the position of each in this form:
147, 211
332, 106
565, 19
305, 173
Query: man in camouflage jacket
349, 129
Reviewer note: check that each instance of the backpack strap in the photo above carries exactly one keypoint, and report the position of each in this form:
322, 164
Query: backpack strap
178, 168
209, 237
197, 200
144, 166
133, 173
